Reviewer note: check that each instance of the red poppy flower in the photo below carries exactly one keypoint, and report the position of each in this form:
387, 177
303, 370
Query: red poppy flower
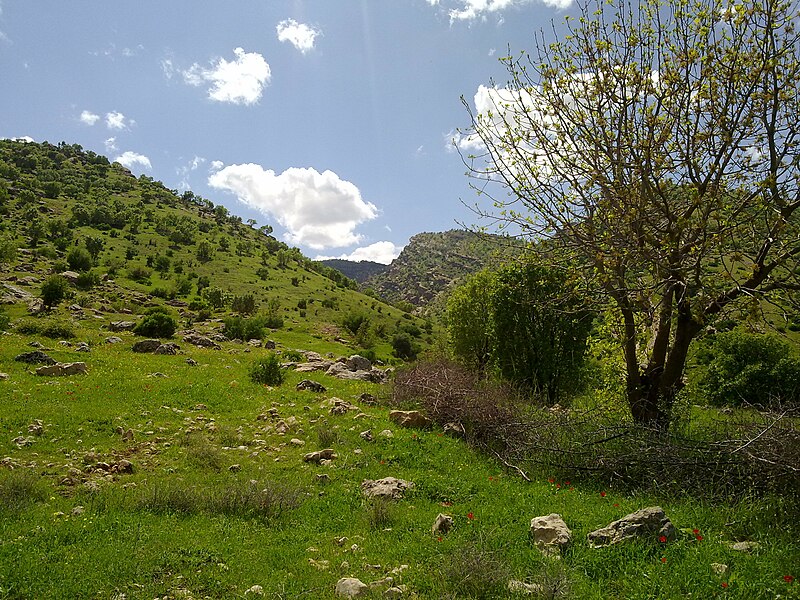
663, 539
664, 559
724, 584
470, 516
551, 480
602, 494
439, 539
695, 531
788, 578
616, 505
699, 538
566, 483
558, 486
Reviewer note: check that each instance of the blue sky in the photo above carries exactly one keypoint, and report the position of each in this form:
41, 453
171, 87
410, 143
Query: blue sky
330, 120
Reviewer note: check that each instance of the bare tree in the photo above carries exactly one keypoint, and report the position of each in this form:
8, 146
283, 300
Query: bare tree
659, 145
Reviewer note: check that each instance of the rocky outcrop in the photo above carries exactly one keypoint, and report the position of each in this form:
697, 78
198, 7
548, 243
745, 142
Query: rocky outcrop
550, 533
409, 418
388, 487
647, 522
63, 369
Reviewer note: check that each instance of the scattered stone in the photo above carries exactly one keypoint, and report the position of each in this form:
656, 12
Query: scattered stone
36, 306
382, 582
123, 466
388, 487
77, 511
158, 375
313, 366
350, 587
366, 435
127, 435
4, 376
71, 276
113, 340
36, 428
550, 533
719, 568
235, 468
254, 343
358, 363
65, 344
442, 525
270, 345
455, 429
201, 340
409, 418
191, 362
83, 347
256, 589
394, 592
145, 346
283, 426
22, 442
386, 433
297, 442
323, 478
121, 325
37, 357
311, 386
746, 547
320, 455
520, 587
170, 348
63, 369
650, 521
322, 565
368, 399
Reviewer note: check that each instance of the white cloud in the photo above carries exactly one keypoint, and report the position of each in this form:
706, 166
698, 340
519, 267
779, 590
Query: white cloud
240, 81
319, 210
185, 170
131, 159
116, 120
168, 68
469, 10
300, 35
89, 118
216, 165
379, 252
111, 144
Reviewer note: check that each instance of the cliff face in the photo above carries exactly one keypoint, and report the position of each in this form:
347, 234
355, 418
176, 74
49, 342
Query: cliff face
432, 262
360, 271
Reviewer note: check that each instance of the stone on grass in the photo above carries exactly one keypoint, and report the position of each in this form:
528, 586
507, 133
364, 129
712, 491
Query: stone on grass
170, 348
719, 568
350, 587
746, 547
647, 522
83, 347
200, 340
311, 386
442, 525
455, 429
389, 487
358, 363
520, 587
121, 325
36, 428
63, 369
366, 435
4, 376
550, 533
255, 589
146, 346
386, 433
113, 340
37, 357
409, 418
320, 455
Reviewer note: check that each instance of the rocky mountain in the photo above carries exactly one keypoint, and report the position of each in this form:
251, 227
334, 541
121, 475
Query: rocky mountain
432, 262
359, 271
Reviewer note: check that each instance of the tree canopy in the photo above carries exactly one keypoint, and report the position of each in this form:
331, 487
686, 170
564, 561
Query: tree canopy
656, 145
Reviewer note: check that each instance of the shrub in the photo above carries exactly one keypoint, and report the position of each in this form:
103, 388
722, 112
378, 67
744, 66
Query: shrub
139, 273
354, 321
747, 368
245, 304
243, 328
267, 370
157, 323
5, 320
403, 347
20, 488
79, 259
57, 329
87, 280
55, 290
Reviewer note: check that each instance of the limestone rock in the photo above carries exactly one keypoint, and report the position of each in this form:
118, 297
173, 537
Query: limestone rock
320, 455
169, 348
113, 340
144, 346
746, 547
358, 363
4, 376
121, 325
550, 533
388, 487
520, 587
366, 435
455, 429
63, 369
71, 276
409, 418
200, 340
311, 386
650, 521
350, 587
35, 357
83, 347
719, 568
443, 524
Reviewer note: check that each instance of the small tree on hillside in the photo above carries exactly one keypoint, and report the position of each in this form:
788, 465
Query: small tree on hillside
55, 290
650, 142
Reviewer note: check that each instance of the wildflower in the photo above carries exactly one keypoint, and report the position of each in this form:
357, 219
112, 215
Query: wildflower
558, 486
602, 494
447, 504
439, 539
724, 584
663, 539
470, 516
695, 531
551, 480
566, 483
788, 578
699, 538
616, 505
664, 559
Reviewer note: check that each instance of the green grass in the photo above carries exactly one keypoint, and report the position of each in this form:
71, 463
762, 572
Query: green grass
185, 523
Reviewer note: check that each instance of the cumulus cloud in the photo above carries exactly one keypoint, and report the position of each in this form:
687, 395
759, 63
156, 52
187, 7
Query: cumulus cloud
131, 159
240, 81
469, 10
379, 252
111, 144
185, 170
216, 165
116, 120
300, 35
318, 210
89, 118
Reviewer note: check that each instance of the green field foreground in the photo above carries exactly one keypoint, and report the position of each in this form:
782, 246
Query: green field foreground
149, 477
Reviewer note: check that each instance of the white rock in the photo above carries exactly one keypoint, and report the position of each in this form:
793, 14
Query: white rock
350, 587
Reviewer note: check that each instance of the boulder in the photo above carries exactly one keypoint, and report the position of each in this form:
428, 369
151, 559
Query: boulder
4, 376
409, 418
311, 386
358, 363
71, 276
320, 455
388, 487
746, 547
145, 346
517, 587
442, 524
350, 587
83, 347
550, 533
455, 429
313, 366
63, 369
37, 357
113, 340
649, 522
121, 325
170, 348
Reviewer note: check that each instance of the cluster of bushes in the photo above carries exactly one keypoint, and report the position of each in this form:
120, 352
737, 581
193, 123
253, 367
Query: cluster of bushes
267, 370
55, 329
250, 328
157, 323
